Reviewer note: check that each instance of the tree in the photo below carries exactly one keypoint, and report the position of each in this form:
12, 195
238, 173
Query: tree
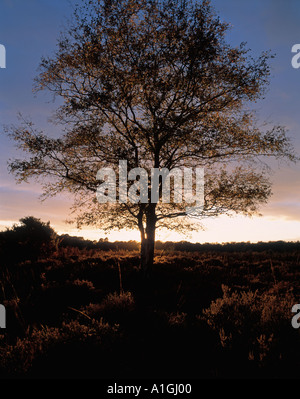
29, 240
155, 83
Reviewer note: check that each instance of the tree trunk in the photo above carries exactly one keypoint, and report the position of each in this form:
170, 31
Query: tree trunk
147, 254
147, 243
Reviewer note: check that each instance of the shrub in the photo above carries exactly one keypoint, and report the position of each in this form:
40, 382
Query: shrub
20, 357
115, 301
253, 324
114, 307
177, 318
233, 314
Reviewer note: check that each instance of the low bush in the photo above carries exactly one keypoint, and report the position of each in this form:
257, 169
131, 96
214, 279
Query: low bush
40, 344
251, 324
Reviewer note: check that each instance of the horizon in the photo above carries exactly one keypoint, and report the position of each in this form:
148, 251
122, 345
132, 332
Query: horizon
137, 241
118, 236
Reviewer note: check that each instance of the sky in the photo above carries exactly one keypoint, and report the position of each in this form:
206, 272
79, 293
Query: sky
29, 30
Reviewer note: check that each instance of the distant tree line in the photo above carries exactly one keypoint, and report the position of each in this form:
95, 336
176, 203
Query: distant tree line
32, 239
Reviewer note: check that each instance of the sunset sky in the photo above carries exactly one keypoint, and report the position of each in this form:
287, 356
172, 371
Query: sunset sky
29, 30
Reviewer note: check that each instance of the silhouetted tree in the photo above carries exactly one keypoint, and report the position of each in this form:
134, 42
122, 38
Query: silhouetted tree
28, 241
153, 82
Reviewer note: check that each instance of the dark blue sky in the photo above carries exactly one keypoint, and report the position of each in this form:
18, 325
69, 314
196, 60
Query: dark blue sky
29, 30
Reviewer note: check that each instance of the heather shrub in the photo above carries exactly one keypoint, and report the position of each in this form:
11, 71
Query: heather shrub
177, 318
19, 358
114, 307
253, 324
115, 301
84, 284
93, 310
233, 314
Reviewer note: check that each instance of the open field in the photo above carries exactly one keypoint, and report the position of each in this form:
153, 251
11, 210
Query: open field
211, 311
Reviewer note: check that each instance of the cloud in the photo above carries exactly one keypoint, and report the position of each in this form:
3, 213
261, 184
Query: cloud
18, 203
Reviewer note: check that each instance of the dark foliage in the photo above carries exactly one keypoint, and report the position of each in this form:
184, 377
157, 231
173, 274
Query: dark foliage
27, 241
208, 311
